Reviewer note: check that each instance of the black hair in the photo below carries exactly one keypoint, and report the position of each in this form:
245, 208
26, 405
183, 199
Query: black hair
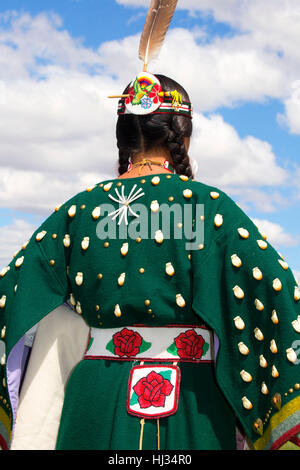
137, 134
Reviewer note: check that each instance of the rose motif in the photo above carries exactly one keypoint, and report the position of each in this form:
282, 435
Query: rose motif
189, 345
152, 390
154, 94
127, 343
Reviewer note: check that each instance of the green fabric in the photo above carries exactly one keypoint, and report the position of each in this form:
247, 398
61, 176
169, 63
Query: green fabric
94, 414
94, 404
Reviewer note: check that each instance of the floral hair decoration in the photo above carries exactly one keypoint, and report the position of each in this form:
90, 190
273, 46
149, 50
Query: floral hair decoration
146, 96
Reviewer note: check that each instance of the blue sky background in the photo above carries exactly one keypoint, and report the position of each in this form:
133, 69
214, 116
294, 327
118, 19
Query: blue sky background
87, 25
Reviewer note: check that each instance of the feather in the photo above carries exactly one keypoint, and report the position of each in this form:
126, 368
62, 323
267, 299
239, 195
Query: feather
156, 26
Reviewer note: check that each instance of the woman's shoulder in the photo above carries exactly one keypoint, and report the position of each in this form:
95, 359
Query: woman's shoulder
215, 202
218, 203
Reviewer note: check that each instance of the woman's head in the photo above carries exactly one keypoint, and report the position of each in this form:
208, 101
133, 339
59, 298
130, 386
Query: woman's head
141, 134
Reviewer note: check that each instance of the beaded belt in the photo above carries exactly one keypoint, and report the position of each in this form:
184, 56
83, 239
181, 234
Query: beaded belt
174, 343
153, 389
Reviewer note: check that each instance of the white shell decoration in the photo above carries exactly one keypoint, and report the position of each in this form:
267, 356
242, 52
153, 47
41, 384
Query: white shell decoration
96, 213
297, 293
170, 269
57, 207
243, 349
283, 264
262, 361
19, 261
154, 206
72, 211
246, 376
238, 292
118, 312
274, 317
247, 403
259, 305
214, 195
263, 235
218, 220
264, 388
243, 233
262, 244
79, 279
187, 193
85, 243
184, 177
4, 271
40, 236
3, 332
3, 359
107, 186
273, 346
78, 308
257, 274
121, 279
72, 300
124, 249
3, 301
291, 355
236, 261
180, 300
277, 285
159, 237
24, 246
67, 240
275, 372
296, 324
258, 334
155, 180
239, 323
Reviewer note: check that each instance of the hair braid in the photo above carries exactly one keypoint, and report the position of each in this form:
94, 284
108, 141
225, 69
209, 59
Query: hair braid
181, 161
124, 158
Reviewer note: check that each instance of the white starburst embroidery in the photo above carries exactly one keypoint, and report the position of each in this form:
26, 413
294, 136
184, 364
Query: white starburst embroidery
125, 201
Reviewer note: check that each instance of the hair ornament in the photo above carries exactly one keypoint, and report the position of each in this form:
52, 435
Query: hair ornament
145, 94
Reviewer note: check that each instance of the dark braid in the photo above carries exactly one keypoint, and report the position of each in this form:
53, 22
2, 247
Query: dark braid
181, 161
124, 156
137, 134
129, 139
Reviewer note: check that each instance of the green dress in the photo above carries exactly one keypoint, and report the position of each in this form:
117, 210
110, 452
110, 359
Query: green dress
228, 278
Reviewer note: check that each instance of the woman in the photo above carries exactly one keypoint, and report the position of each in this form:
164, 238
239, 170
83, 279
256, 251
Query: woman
193, 316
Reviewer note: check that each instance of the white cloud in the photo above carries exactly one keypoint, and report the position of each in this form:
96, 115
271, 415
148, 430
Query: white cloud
28, 43
297, 275
12, 237
291, 117
226, 159
276, 234
259, 199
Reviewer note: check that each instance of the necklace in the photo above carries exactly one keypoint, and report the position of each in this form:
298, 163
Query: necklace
146, 161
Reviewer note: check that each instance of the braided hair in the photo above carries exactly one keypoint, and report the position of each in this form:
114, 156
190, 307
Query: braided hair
137, 134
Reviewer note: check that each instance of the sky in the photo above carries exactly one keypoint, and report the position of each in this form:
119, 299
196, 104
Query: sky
238, 60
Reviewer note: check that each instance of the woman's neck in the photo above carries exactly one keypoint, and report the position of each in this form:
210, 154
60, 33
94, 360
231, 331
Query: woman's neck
157, 156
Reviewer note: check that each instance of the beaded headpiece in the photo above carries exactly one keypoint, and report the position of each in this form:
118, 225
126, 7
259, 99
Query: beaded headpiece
145, 94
